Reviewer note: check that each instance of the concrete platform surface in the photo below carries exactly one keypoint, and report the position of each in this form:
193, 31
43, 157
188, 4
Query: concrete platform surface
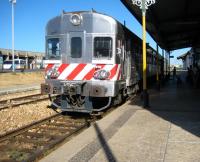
169, 131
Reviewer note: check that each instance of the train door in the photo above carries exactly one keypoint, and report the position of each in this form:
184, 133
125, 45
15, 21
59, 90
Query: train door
76, 47
121, 57
123, 63
128, 62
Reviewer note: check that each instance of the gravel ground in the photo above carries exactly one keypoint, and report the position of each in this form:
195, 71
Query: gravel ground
19, 94
17, 117
15, 79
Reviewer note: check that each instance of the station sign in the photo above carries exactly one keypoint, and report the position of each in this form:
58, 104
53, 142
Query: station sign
171, 57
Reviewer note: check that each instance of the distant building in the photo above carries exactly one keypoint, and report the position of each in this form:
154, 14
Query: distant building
33, 59
196, 56
187, 59
190, 58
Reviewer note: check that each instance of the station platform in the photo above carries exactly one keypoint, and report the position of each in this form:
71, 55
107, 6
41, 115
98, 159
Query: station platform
168, 131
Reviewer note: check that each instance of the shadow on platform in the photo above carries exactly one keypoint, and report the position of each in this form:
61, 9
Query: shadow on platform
179, 105
107, 151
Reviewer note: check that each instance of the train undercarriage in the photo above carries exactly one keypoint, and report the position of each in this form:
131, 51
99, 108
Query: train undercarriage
90, 104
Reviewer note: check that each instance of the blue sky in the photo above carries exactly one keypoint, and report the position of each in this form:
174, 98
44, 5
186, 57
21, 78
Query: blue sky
31, 17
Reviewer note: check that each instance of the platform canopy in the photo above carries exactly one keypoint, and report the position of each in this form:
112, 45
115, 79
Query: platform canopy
183, 56
173, 24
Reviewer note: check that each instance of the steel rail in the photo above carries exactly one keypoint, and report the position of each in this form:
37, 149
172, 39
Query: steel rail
26, 127
39, 136
13, 102
43, 136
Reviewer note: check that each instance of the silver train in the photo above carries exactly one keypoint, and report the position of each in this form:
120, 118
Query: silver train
93, 61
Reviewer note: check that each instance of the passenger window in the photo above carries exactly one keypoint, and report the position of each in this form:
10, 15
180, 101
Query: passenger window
76, 47
23, 62
102, 47
53, 48
16, 61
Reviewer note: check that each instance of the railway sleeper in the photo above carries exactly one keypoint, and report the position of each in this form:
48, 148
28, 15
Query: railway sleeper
44, 131
52, 127
40, 135
13, 146
7, 160
64, 125
52, 144
37, 142
17, 154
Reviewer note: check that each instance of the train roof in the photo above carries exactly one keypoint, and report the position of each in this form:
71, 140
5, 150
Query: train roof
126, 30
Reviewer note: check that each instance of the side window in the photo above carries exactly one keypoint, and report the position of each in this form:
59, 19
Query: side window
76, 47
103, 47
1, 59
16, 61
23, 62
7, 62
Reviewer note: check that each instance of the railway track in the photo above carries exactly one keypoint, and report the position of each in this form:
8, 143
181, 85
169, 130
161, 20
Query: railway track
32, 141
4, 104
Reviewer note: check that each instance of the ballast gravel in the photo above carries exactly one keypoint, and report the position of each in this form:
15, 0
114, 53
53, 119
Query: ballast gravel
14, 118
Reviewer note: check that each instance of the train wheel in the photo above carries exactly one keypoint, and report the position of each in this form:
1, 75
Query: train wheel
137, 88
118, 99
124, 94
55, 101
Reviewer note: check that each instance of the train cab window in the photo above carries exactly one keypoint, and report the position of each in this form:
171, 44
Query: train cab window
76, 47
53, 48
102, 47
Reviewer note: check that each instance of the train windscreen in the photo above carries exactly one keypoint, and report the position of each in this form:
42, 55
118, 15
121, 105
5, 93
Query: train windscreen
76, 47
53, 48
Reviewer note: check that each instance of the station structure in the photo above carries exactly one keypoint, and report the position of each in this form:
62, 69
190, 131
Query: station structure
173, 25
33, 59
190, 58
166, 131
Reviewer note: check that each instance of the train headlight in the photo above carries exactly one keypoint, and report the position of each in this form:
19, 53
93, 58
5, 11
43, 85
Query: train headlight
76, 19
48, 74
101, 74
52, 73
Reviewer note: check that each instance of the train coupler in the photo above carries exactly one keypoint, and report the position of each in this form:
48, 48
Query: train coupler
73, 88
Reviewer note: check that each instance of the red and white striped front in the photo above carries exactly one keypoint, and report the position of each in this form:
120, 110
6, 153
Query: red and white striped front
77, 71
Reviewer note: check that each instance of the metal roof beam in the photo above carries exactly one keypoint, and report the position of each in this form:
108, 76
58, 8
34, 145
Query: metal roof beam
183, 32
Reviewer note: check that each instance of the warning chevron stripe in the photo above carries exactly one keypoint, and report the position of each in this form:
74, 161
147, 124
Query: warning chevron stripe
62, 67
90, 74
77, 71
49, 66
113, 71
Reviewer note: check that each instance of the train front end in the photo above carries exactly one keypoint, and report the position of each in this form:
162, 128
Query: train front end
87, 77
